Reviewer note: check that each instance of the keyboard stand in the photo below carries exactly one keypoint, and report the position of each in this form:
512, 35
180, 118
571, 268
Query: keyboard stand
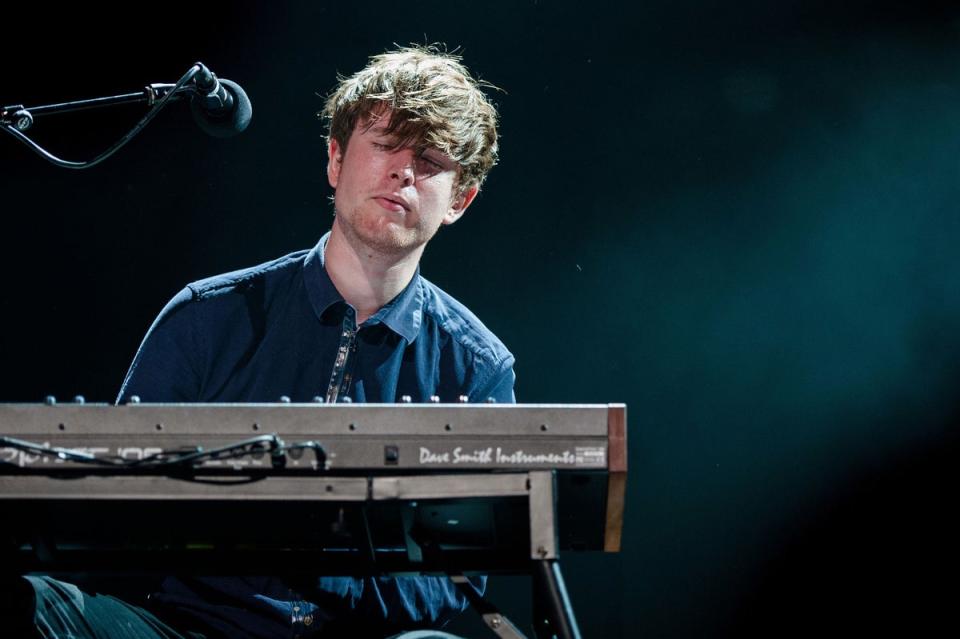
552, 610
446, 523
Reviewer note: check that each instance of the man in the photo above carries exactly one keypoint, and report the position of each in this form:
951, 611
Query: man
411, 139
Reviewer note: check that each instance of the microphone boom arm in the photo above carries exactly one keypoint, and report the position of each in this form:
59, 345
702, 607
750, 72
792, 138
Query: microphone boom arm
17, 119
22, 117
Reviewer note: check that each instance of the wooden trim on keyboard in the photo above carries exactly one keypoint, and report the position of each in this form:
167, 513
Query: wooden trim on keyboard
617, 478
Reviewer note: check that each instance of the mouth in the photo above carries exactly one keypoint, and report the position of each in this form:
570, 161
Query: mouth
392, 203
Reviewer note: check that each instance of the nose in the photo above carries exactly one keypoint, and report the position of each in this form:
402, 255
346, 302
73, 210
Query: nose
403, 167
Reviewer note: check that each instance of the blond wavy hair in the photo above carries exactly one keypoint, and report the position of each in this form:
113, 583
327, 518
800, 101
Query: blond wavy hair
432, 101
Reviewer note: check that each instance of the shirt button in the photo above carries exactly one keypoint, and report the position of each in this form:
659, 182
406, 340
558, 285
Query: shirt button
308, 620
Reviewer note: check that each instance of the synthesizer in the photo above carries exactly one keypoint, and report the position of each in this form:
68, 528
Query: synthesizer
362, 437
197, 485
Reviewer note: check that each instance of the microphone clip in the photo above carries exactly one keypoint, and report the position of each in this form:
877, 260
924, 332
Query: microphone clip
213, 95
220, 107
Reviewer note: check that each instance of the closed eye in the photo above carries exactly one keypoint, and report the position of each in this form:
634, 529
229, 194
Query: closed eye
432, 163
428, 168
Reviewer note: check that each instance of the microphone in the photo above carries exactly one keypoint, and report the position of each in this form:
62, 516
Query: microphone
220, 107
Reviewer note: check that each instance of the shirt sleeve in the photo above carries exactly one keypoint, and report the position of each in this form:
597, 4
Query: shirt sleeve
499, 386
379, 606
167, 366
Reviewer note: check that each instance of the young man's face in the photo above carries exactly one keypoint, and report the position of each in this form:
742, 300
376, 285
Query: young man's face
392, 201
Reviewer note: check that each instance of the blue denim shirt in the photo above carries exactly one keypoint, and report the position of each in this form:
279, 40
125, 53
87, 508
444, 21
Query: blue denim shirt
282, 328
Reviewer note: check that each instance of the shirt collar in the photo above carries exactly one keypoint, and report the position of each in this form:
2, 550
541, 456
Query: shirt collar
403, 314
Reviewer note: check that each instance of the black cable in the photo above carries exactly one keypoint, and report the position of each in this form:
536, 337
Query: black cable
67, 164
246, 447
166, 460
50, 451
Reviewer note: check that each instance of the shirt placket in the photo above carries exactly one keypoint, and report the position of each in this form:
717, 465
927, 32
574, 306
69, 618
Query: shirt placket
340, 377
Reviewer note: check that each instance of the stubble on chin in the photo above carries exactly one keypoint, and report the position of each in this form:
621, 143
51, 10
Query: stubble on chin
373, 232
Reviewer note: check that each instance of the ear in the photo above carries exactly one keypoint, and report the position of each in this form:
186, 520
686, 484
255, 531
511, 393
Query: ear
460, 203
334, 161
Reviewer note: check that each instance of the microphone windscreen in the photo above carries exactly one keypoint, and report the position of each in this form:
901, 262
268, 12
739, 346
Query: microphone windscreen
229, 123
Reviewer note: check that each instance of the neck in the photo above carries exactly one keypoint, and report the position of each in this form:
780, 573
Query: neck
367, 279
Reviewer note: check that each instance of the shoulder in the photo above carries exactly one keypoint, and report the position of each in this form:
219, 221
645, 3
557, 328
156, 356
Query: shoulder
462, 326
231, 296
273, 272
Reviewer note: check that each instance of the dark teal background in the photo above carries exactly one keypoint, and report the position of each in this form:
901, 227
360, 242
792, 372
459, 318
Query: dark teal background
740, 218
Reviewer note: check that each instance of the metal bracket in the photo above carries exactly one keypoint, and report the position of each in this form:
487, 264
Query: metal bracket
492, 617
543, 515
